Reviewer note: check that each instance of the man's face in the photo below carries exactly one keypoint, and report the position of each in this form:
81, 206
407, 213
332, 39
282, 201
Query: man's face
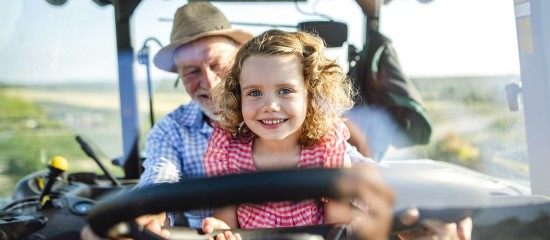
200, 64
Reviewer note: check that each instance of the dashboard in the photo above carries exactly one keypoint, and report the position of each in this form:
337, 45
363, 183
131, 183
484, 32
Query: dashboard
22, 216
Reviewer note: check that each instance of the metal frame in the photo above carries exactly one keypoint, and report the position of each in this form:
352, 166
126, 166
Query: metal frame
130, 161
533, 31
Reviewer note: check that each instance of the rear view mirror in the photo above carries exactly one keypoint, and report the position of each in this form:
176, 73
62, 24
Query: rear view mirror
335, 34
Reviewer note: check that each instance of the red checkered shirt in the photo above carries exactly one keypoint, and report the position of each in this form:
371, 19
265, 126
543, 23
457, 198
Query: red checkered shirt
226, 155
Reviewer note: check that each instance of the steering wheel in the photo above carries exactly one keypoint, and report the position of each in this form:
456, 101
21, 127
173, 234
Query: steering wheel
205, 193
258, 187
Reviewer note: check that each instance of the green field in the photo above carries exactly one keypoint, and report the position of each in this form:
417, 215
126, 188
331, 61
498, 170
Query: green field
39, 123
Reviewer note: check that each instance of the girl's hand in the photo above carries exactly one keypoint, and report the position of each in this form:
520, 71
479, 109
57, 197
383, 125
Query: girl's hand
227, 235
210, 224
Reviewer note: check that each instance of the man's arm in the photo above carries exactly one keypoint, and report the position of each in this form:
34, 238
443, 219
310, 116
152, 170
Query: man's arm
162, 164
358, 139
369, 7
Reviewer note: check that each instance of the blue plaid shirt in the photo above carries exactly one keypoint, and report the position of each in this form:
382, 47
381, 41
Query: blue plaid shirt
175, 149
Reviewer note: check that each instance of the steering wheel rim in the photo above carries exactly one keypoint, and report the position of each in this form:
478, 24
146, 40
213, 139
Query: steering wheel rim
204, 193
292, 185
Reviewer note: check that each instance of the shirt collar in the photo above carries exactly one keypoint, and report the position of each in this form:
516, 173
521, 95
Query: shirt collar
194, 117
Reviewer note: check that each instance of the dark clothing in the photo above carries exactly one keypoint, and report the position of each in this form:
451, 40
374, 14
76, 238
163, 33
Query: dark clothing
380, 81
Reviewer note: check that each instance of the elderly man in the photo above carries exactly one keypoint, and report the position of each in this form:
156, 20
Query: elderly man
202, 45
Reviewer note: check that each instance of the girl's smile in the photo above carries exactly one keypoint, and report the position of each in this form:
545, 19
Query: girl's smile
271, 124
274, 98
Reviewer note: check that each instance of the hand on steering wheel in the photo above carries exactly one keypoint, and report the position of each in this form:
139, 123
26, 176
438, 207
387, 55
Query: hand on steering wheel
436, 229
210, 224
153, 222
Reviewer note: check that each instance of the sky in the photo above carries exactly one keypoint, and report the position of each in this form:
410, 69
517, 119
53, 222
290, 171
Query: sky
40, 42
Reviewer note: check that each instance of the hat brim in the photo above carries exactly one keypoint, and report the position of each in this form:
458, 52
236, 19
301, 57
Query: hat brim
164, 59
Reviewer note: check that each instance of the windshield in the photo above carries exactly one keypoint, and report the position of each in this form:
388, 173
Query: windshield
59, 77
462, 56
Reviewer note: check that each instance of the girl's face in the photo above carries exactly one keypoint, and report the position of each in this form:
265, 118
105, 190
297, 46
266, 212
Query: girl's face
274, 98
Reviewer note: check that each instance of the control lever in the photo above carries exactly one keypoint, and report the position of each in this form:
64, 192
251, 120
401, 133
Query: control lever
88, 150
57, 166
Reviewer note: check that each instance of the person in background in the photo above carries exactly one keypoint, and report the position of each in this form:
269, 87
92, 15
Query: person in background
389, 110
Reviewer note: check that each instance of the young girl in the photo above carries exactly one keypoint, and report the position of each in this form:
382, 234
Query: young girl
281, 105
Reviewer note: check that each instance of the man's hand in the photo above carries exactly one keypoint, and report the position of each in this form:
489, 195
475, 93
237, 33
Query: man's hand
153, 222
438, 230
374, 202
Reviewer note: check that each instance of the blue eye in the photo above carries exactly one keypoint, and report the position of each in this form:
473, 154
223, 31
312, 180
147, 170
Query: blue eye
254, 93
285, 91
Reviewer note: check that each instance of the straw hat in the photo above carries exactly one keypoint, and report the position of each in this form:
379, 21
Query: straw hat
193, 21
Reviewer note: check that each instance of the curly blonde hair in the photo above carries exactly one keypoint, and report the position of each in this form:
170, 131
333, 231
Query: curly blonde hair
330, 92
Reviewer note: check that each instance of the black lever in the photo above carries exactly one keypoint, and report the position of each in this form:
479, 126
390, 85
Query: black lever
88, 150
57, 166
